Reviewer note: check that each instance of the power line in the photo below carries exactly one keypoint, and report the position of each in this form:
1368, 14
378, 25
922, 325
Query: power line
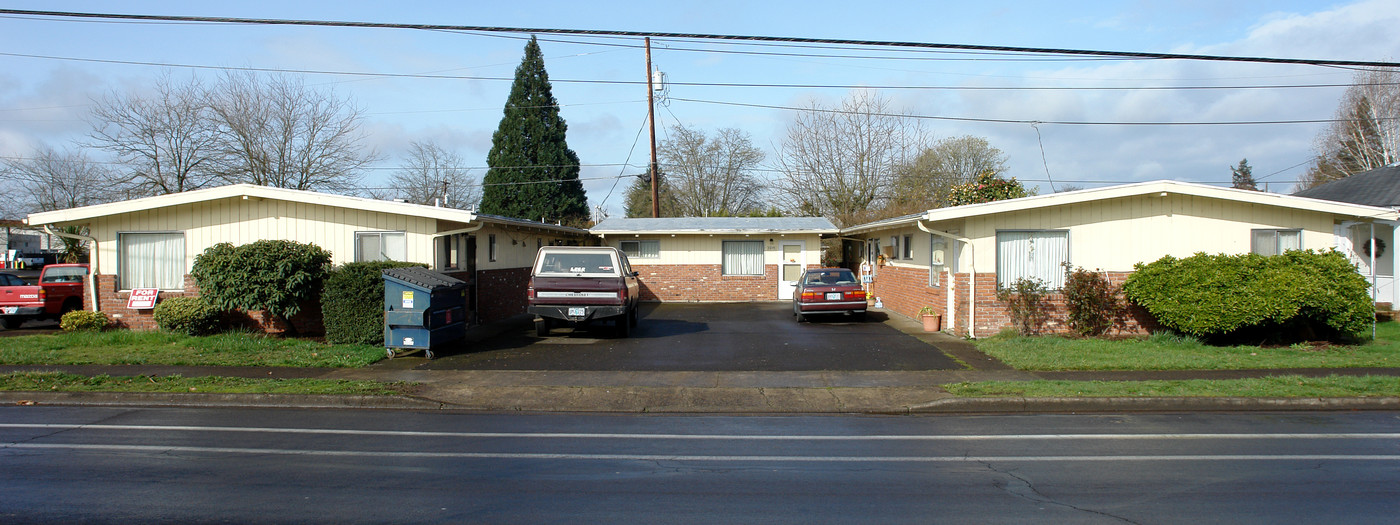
439, 76
705, 36
1026, 121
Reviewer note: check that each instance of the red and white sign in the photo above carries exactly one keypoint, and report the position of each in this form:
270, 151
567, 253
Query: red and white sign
142, 299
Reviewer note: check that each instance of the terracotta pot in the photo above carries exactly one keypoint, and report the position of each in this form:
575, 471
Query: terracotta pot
932, 323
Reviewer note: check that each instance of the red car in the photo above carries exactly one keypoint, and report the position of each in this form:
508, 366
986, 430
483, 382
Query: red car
828, 291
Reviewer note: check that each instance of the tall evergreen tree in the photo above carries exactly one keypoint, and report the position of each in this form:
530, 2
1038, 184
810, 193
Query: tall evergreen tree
1243, 176
532, 172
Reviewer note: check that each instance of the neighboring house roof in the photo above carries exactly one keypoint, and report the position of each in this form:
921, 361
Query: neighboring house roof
691, 225
1378, 187
251, 191
1160, 187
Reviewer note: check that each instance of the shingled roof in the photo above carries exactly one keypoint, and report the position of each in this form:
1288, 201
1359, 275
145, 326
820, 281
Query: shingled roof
1378, 187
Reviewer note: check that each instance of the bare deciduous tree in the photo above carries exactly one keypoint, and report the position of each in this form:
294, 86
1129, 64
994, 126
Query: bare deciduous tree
712, 176
167, 139
1366, 133
924, 183
840, 163
57, 180
431, 175
277, 132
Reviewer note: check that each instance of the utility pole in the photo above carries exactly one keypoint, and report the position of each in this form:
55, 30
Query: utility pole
651, 120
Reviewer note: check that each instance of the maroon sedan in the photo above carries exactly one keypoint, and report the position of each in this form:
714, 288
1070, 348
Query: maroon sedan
828, 291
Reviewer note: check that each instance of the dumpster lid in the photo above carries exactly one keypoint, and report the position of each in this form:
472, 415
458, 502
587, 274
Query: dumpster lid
422, 277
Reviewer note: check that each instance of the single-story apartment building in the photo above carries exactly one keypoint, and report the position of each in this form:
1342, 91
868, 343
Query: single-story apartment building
955, 259
718, 258
152, 242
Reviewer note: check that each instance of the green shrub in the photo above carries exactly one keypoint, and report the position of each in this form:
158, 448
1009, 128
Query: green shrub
1092, 302
1301, 293
1025, 301
85, 320
352, 303
189, 316
273, 275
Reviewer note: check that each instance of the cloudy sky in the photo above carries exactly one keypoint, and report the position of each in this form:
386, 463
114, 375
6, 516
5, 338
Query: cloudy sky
51, 69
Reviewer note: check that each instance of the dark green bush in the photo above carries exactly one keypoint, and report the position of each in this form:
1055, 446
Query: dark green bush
1092, 303
352, 303
1025, 301
189, 316
1300, 293
273, 275
83, 320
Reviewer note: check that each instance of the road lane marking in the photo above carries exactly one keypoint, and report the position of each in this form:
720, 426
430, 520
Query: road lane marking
724, 437
160, 449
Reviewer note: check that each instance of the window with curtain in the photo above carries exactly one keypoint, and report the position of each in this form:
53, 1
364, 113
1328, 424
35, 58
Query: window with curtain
641, 249
1274, 242
1034, 254
742, 258
151, 260
381, 246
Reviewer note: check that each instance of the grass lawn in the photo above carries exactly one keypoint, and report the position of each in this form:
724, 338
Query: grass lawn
1168, 352
60, 382
124, 347
1280, 386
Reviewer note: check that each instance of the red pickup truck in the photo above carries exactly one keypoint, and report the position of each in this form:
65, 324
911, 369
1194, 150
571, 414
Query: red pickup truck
60, 290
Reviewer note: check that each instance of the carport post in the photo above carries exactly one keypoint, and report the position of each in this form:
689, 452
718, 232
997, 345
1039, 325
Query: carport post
952, 288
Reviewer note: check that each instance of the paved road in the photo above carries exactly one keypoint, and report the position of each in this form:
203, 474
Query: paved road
296, 466
708, 337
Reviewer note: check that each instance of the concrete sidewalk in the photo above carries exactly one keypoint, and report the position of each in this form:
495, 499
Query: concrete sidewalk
871, 392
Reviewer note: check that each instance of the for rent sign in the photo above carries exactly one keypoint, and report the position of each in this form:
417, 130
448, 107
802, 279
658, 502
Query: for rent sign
142, 299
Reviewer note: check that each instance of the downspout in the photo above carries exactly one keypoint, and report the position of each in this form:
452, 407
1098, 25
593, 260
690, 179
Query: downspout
971, 285
93, 258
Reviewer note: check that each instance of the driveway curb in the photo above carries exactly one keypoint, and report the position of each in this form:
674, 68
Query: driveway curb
208, 400
725, 400
1151, 404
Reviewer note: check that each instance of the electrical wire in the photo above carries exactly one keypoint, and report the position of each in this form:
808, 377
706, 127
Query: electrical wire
1026, 121
705, 36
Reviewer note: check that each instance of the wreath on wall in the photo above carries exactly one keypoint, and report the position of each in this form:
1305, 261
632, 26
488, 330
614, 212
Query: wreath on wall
1379, 244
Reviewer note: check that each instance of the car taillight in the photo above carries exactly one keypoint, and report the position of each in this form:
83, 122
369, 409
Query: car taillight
856, 295
811, 296
530, 292
43, 293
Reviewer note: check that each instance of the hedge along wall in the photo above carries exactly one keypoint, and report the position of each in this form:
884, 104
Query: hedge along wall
904, 290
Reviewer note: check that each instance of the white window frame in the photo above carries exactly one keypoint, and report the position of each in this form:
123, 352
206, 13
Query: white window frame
728, 269
908, 247
1276, 240
402, 235
491, 247
1050, 272
641, 248
126, 280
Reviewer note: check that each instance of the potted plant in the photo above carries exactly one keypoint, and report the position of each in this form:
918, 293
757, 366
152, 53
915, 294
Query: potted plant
933, 321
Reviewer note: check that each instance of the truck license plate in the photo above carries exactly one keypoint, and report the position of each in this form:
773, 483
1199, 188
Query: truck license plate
9, 309
833, 296
576, 312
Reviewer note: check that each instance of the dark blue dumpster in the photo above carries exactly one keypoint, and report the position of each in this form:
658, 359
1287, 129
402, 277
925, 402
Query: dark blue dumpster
423, 309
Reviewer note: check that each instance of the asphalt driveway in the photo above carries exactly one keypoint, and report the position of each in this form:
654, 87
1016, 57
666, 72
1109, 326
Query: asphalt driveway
720, 337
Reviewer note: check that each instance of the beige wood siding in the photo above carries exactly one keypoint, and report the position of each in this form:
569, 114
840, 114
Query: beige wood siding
515, 247
707, 249
1115, 234
242, 221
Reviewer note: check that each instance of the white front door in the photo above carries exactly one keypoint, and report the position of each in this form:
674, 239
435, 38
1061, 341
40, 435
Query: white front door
794, 260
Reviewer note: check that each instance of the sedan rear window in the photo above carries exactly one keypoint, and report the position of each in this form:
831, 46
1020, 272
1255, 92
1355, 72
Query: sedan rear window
577, 263
830, 277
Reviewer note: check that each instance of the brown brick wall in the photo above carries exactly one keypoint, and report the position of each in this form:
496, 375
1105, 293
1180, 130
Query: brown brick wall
500, 294
705, 283
113, 302
906, 290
